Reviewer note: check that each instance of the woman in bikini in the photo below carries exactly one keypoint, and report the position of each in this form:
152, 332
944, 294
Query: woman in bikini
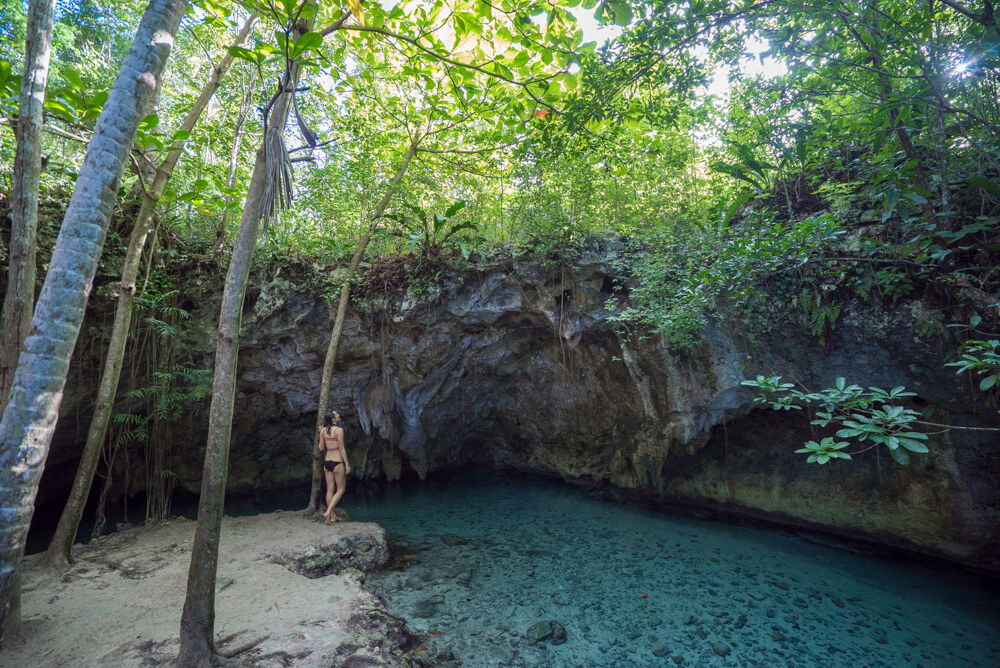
330, 440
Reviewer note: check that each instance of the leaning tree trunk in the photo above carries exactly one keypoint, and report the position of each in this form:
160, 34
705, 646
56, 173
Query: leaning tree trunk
58, 553
198, 618
27, 171
338, 327
20, 299
30, 417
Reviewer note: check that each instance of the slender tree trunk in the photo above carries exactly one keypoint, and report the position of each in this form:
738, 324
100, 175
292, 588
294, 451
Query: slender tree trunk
198, 617
58, 553
29, 418
338, 327
246, 104
20, 300
27, 171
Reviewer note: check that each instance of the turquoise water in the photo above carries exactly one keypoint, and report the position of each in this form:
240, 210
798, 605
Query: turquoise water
490, 556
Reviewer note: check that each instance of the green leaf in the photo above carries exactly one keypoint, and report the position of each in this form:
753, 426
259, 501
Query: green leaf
308, 41
73, 77
984, 183
5, 75
243, 54
455, 208
988, 382
913, 446
899, 454
59, 109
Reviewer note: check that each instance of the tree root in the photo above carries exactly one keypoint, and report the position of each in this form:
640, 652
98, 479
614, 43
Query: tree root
241, 649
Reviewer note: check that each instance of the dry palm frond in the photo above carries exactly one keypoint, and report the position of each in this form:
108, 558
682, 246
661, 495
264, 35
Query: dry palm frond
278, 186
304, 128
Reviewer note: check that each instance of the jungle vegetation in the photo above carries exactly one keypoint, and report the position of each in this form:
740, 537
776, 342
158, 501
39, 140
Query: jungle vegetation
745, 151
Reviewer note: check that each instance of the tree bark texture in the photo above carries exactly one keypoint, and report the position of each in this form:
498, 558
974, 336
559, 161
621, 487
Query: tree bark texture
30, 416
27, 171
316, 487
58, 553
20, 300
198, 616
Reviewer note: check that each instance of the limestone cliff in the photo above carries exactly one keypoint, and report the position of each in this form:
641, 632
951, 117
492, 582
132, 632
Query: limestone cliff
515, 365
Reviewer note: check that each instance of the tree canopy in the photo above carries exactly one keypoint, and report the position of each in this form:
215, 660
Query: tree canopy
802, 151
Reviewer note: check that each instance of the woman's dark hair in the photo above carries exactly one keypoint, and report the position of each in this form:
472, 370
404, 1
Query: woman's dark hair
328, 420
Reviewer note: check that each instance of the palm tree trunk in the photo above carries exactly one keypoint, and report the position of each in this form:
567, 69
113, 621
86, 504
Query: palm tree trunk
27, 171
29, 418
20, 300
338, 326
198, 616
58, 553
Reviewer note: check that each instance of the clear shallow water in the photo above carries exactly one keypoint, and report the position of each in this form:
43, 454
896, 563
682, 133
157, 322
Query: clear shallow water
640, 588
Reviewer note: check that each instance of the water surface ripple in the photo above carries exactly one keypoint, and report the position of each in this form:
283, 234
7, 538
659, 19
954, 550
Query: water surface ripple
492, 555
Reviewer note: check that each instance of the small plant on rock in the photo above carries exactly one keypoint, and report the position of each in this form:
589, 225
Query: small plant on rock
863, 414
426, 234
824, 451
983, 357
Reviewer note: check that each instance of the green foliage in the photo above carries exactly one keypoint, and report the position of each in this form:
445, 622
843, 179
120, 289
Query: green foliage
861, 414
170, 394
748, 169
866, 162
427, 234
682, 277
824, 451
983, 357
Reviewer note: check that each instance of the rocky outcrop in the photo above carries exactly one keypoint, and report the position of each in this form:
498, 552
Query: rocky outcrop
363, 549
518, 365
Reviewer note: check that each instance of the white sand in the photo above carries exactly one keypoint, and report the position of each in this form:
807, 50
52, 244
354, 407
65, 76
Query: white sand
120, 604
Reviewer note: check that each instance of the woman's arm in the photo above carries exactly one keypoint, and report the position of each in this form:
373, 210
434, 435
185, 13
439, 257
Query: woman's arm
343, 451
319, 441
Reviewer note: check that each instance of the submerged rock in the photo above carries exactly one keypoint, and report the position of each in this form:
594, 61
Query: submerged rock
427, 607
721, 648
550, 630
539, 631
379, 640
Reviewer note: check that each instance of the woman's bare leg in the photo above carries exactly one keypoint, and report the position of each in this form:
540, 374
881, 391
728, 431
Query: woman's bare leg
330, 485
340, 474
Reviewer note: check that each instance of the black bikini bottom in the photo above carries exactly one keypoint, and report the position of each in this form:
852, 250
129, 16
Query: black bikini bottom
331, 465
